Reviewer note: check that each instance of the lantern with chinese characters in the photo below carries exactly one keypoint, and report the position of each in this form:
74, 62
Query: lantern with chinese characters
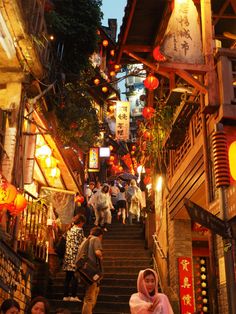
148, 112
151, 82
157, 55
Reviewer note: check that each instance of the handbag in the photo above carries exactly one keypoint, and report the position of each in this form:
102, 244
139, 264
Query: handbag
60, 246
86, 269
90, 272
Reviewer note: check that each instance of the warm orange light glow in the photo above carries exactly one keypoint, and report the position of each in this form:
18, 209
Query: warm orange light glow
96, 81
112, 52
232, 160
116, 66
112, 73
54, 172
40, 140
43, 151
105, 43
49, 162
104, 89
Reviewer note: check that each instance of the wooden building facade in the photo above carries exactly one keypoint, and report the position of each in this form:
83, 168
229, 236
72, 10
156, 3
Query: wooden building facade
197, 40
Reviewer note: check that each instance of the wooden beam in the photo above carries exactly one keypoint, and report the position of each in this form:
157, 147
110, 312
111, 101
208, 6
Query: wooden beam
227, 17
192, 81
138, 48
173, 66
128, 24
152, 66
160, 70
233, 3
222, 10
163, 26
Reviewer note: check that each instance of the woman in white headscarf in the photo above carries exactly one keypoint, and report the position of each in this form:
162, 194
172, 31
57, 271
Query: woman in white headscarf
148, 300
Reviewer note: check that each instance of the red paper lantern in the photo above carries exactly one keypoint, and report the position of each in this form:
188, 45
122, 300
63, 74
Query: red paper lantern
151, 82
157, 55
148, 112
79, 199
20, 204
7, 193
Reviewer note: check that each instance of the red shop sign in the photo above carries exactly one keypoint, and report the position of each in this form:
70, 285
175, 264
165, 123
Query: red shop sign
186, 285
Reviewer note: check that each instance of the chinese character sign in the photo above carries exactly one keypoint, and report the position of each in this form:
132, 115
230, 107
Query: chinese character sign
94, 159
122, 120
182, 40
186, 285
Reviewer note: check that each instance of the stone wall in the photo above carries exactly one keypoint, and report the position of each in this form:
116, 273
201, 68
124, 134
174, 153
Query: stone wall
180, 244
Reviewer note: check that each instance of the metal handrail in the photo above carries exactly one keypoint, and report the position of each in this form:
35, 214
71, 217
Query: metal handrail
159, 248
155, 266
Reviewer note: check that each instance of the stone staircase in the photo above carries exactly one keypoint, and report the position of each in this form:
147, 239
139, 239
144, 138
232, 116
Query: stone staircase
124, 256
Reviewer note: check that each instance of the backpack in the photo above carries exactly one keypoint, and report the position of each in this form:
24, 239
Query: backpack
85, 268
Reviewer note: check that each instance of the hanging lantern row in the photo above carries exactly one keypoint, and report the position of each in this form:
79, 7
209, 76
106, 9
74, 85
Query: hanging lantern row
151, 82
44, 155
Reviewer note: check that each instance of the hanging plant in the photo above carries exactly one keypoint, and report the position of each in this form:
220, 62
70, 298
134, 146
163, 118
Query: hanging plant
151, 133
77, 119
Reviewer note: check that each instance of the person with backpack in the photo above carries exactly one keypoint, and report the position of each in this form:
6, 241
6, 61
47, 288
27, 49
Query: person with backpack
134, 200
74, 237
95, 255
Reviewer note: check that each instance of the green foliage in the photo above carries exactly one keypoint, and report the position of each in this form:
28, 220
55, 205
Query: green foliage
75, 23
152, 133
78, 122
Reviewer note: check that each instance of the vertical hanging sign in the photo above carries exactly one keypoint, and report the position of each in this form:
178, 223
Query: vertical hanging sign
122, 120
93, 159
182, 39
186, 285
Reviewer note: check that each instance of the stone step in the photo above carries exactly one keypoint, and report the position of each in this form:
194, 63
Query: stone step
126, 270
57, 292
124, 253
145, 262
124, 245
101, 307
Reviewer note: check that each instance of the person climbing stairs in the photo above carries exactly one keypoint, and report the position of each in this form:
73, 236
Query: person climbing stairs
124, 255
